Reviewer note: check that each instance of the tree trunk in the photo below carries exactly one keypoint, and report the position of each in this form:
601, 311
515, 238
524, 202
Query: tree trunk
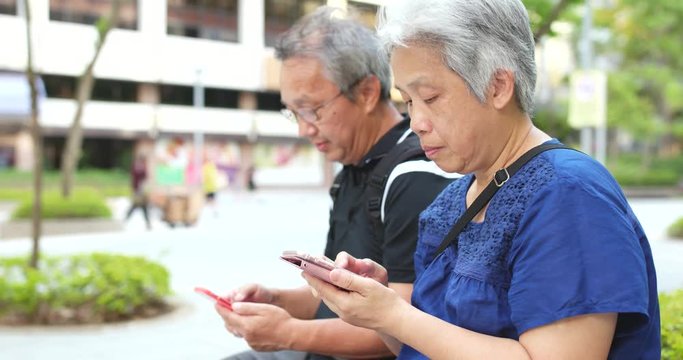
74, 141
37, 137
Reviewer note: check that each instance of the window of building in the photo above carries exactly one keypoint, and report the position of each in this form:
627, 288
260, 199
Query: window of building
64, 87
282, 14
96, 152
269, 101
8, 7
221, 98
115, 90
206, 19
89, 11
58, 86
176, 95
366, 13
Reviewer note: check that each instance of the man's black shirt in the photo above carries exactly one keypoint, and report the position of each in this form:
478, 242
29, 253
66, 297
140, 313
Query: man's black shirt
411, 188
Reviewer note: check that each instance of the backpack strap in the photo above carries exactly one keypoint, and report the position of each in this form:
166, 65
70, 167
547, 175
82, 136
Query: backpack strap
336, 184
377, 179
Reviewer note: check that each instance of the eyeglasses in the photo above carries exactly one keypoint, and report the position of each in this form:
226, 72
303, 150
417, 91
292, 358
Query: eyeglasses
308, 115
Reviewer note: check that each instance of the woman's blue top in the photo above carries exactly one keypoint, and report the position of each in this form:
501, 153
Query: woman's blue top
559, 240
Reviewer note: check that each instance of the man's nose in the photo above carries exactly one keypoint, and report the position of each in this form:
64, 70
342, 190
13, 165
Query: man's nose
306, 129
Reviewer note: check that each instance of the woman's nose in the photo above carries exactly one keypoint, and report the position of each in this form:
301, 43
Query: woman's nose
419, 120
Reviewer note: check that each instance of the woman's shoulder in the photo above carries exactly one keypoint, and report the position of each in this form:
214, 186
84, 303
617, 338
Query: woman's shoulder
572, 167
569, 173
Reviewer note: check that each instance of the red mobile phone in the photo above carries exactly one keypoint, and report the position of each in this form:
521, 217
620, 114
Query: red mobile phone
226, 303
317, 266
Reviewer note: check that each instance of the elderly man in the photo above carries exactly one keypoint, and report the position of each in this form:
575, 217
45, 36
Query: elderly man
335, 85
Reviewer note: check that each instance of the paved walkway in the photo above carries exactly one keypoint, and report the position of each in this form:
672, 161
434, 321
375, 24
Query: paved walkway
240, 244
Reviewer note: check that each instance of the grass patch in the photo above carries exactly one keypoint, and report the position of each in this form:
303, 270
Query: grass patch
18, 185
86, 177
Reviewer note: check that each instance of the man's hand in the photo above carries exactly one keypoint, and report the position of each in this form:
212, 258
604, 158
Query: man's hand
251, 293
265, 327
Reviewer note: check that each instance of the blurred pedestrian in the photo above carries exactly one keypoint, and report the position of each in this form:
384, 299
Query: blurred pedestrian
210, 183
251, 185
140, 200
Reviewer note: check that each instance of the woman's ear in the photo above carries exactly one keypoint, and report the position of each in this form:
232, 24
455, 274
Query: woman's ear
502, 88
368, 92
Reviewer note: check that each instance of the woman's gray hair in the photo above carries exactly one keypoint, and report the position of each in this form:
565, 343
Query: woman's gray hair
476, 38
348, 50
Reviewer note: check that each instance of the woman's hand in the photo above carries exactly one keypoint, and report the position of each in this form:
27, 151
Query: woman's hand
358, 300
363, 267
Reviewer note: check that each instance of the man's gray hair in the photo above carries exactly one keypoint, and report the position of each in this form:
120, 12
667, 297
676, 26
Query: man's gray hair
475, 37
348, 50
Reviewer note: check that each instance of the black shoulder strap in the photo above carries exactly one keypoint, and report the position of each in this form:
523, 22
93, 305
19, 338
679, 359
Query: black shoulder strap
377, 180
499, 179
334, 189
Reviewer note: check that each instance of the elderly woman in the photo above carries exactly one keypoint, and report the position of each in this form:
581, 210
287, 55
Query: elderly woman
554, 265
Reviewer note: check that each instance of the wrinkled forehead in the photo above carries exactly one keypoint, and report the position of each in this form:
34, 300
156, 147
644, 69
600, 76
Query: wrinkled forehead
303, 79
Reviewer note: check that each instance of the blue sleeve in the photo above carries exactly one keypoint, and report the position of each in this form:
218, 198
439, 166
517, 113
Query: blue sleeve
577, 252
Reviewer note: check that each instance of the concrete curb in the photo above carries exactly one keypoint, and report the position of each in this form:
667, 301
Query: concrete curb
22, 228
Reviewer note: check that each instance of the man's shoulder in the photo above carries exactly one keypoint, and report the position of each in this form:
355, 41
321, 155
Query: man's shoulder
420, 169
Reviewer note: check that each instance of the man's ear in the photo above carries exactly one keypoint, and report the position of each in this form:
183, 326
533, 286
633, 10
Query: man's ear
502, 88
368, 92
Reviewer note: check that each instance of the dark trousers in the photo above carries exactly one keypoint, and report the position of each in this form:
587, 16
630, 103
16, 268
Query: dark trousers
143, 207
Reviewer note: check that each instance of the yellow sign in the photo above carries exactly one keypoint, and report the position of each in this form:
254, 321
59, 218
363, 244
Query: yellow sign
588, 99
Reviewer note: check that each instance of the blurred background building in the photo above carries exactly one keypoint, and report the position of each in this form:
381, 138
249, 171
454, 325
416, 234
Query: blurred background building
197, 73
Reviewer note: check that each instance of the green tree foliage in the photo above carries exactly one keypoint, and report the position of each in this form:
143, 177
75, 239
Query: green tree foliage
542, 14
646, 90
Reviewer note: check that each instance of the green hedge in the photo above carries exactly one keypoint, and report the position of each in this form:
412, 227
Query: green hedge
638, 177
676, 229
671, 307
628, 170
83, 203
81, 289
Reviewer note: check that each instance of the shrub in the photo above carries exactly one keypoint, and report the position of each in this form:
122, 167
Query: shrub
81, 289
83, 203
676, 229
671, 308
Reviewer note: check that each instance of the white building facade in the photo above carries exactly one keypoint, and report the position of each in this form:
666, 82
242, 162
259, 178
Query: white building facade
172, 69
